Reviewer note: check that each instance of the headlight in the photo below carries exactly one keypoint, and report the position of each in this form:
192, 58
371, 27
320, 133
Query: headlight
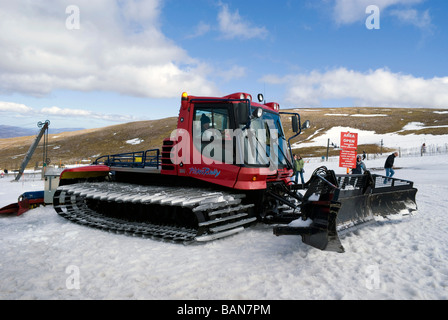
258, 112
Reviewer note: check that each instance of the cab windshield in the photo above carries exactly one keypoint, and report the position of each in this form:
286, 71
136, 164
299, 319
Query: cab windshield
270, 140
219, 138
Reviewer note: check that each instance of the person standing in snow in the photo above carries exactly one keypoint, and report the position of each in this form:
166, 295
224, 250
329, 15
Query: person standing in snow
389, 166
298, 168
360, 166
423, 149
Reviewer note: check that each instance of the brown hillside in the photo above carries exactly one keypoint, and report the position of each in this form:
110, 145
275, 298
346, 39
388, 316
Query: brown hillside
73, 147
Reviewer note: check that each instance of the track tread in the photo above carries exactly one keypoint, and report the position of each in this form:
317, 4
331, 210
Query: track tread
221, 211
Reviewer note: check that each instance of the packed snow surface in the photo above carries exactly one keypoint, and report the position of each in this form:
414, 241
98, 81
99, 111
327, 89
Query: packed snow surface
43, 256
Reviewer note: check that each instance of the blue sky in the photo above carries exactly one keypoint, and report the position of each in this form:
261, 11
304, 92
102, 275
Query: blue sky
88, 64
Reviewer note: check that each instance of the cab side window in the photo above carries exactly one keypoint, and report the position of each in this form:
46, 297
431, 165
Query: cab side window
212, 118
210, 123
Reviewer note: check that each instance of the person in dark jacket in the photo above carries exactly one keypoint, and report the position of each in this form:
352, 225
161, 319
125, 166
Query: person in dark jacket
360, 166
389, 166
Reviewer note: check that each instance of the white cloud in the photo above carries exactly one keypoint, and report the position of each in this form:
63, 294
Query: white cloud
66, 112
414, 17
119, 47
376, 88
232, 25
84, 114
201, 29
232, 73
23, 110
14, 107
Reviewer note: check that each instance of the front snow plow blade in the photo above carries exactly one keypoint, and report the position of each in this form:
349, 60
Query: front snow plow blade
319, 212
320, 231
392, 196
334, 203
365, 196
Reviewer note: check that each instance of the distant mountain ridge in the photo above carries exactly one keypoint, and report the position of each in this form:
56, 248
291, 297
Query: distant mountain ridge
15, 132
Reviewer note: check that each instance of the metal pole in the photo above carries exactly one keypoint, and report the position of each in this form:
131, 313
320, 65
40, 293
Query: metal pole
29, 154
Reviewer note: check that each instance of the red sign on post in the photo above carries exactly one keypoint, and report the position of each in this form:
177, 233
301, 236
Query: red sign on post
349, 141
347, 159
349, 144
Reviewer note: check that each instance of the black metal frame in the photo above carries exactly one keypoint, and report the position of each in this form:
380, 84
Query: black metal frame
139, 159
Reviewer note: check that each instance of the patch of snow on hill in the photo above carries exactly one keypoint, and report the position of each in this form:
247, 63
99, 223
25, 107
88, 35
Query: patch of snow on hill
135, 141
390, 140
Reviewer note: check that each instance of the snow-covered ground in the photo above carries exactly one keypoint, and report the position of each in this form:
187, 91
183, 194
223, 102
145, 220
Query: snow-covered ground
43, 256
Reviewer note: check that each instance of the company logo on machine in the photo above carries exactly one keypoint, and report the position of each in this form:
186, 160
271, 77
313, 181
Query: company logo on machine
205, 172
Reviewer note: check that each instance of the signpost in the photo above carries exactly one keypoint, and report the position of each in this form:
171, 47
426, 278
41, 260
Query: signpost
347, 155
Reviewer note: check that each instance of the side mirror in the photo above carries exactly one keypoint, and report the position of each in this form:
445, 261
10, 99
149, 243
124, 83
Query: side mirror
260, 97
306, 125
295, 124
241, 112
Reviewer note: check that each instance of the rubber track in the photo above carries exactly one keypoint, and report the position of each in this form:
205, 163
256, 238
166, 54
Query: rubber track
217, 214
